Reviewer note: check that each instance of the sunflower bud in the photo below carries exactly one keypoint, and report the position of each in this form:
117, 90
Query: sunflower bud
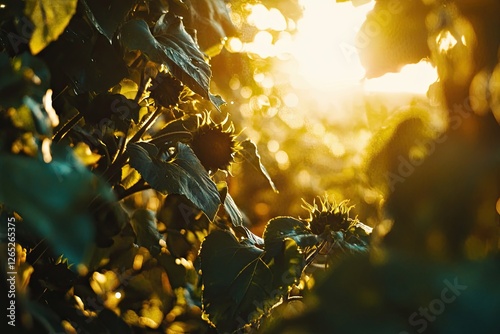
215, 144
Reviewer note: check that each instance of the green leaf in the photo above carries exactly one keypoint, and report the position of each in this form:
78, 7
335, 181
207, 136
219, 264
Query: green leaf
281, 228
184, 175
252, 239
216, 100
237, 282
144, 224
98, 11
173, 46
103, 69
53, 198
250, 154
50, 18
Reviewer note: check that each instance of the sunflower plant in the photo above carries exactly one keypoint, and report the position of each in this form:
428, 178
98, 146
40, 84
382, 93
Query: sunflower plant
116, 157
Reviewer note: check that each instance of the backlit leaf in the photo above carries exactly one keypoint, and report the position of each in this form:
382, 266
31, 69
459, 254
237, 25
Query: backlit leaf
50, 18
250, 154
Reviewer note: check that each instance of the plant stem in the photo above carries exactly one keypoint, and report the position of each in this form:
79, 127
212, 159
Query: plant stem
146, 125
122, 158
139, 186
66, 127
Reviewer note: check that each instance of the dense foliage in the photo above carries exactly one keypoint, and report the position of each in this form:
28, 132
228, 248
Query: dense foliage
117, 159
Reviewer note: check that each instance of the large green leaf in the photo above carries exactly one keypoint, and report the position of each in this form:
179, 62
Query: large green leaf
173, 46
50, 18
86, 58
184, 175
97, 12
241, 281
53, 198
237, 282
250, 154
284, 240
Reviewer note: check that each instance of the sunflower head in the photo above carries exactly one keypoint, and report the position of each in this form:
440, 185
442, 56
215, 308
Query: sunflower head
332, 214
215, 144
166, 89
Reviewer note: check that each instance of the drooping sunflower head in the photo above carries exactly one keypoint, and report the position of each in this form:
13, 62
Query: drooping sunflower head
328, 213
215, 144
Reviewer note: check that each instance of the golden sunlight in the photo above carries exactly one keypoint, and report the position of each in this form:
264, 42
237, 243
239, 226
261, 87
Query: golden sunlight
327, 58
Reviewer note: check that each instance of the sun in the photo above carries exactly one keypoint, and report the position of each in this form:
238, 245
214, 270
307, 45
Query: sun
327, 60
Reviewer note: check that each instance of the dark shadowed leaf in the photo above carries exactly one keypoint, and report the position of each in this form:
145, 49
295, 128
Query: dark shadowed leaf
144, 224
104, 69
98, 12
252, 238
236, 281
106, 105
53, 198
178, 213
184, 175
210, 19
176, 272
250, 154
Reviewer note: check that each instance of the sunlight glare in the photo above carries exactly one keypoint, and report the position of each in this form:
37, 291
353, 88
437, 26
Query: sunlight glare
324, 41
447, 41
327, 60
413, 78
